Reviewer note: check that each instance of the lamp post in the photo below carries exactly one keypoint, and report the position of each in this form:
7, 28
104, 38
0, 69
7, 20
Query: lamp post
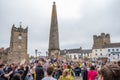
36, 53
68, 55
39, 54
46, 54
65, 51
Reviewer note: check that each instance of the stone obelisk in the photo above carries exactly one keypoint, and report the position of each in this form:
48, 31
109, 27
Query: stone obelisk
54, 34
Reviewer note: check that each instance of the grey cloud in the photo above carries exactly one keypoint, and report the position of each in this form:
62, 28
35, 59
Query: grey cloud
96, 17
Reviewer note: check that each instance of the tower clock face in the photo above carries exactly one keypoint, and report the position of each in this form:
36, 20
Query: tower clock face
19, 37
19, 47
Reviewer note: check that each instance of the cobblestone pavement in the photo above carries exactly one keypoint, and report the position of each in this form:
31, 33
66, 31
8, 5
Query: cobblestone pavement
78, 78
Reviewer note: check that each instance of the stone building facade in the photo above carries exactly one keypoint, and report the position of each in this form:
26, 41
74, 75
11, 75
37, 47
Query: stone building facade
18, 45
103, 47
3, 55
76, 54
101, 40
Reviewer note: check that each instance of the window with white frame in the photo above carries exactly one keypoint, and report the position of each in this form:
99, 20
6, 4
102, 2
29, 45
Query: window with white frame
113, 50
75, 57
96, 50
108, 50
117, 49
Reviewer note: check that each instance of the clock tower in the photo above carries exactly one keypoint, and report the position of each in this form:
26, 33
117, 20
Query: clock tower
18, 45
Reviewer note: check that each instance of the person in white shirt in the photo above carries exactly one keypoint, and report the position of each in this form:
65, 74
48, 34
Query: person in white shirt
49, 73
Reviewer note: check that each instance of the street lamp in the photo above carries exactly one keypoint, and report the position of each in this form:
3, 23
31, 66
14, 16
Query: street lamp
46, 54
65, 51
68, 55
39, 54
36, 53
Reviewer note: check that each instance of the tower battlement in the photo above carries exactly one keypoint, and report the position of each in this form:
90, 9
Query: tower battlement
103, 35
107, 35
94, 36
101, 40
19, 29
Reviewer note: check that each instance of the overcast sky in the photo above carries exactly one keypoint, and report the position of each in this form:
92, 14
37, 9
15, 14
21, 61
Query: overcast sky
78, 21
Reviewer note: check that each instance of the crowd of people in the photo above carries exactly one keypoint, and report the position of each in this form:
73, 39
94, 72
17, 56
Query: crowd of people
53, 69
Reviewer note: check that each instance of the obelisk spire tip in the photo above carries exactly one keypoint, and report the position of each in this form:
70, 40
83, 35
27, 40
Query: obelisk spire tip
54, 3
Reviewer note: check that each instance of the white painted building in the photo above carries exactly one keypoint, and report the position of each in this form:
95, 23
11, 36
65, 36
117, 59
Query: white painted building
96, 53
73, 56
76, 54
113, 51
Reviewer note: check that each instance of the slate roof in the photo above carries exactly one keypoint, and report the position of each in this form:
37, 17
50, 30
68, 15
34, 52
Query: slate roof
70, 51
112, 45
97, 47
87, 51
